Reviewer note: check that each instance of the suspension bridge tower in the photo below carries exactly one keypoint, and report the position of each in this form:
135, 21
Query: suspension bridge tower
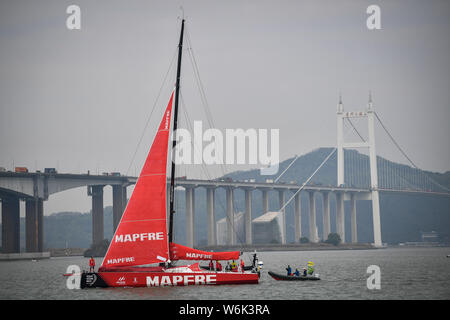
368, 114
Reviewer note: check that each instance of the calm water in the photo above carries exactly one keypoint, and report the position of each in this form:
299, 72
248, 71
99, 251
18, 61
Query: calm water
406, 273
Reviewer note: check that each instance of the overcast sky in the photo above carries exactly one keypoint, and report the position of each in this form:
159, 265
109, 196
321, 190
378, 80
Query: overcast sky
78, 100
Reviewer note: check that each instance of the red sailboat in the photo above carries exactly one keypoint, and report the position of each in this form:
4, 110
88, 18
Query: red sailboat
142, 252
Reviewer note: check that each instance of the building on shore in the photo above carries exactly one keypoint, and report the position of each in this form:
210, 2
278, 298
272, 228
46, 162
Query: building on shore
268, 228
239, 229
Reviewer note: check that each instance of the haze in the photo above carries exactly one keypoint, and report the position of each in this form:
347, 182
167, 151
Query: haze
78, 100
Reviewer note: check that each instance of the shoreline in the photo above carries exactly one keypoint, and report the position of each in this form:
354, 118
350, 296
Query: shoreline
290, 247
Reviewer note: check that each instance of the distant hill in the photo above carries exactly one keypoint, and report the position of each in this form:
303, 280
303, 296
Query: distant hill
403, 217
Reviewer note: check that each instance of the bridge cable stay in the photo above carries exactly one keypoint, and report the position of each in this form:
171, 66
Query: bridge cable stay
307, 180
419, 171
297, 156
315, 171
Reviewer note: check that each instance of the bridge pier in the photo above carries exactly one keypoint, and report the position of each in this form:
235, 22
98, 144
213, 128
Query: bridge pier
312, 218
230, 216
190, 211
340, 215
297, 217
326, 215
281, 201
248, 216
118, 204
97, 213
353, 218
34, 215
210, 211
265, 201
10, 225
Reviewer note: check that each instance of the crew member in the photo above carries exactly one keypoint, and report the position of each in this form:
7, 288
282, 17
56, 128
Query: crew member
218, 266
289, 270
296, 273
91, 264
310, 267
211, 265
233, 266
242, 265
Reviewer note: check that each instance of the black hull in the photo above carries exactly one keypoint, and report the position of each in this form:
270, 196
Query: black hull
92, 280
283, 277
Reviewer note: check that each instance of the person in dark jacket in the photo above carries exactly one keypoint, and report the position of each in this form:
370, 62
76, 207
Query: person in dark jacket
289, 270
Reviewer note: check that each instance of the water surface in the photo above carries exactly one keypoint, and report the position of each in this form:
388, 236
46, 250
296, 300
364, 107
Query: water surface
406, 273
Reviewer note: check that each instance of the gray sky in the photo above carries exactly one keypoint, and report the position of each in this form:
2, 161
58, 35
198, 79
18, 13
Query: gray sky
78, 100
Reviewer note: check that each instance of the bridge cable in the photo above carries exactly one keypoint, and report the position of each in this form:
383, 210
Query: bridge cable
406, 156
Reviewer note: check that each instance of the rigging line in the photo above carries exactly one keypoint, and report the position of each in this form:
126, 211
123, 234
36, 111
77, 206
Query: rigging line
201, 89
209, 177
205, 170
199, 81
151, 113
401, 150
194, 144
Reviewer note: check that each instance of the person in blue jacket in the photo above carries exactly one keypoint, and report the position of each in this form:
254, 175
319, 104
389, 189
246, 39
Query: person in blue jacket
289, 270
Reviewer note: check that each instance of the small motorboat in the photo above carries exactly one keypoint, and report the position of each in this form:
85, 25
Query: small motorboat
284, 277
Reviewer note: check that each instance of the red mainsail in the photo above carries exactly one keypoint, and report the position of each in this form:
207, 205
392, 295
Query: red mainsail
180, 252
141, 236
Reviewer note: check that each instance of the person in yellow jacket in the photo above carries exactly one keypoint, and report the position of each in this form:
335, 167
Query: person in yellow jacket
310, 269
234, 266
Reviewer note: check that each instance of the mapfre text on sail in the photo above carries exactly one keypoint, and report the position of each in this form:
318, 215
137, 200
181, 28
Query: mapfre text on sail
139, 237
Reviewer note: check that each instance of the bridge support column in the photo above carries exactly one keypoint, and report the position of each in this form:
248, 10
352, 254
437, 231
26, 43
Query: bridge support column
376, 219
10, 225
265, 201
97, 213
353, 218
230, 217
281, 201
190, 209
248, 216
211, 216
118, 204
34, 219
297, 217
340, 214
326, 215
312, 218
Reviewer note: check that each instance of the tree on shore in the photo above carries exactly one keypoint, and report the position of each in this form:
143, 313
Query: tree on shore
304, 240
334, 239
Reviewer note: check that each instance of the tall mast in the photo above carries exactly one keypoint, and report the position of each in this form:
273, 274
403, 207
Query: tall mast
174, 143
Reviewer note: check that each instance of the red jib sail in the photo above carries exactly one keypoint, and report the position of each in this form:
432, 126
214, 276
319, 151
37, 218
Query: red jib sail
179, 252
141, 236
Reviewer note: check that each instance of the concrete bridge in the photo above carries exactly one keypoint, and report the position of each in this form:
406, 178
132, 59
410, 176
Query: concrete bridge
35, 188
